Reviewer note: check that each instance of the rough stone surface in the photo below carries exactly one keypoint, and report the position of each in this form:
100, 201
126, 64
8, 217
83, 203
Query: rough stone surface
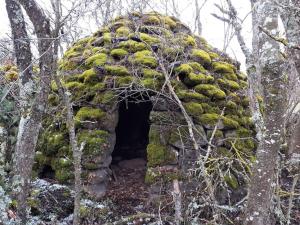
124, 59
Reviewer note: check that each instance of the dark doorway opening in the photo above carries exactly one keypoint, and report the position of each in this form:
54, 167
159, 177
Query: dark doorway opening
127, 187
132, 130
47, 173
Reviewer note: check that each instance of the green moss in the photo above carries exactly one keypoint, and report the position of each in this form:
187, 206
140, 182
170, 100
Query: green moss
63, 175
87, 74
209, 108
96, 60
98, 87
99, 50
66, 65
169, 22
108, 98
116, 70
107, 38
189, 41
223, 67
194, 109
231, 76
243, 132
60, 163
145, 58
242, 76
245, 101
152, 176
193, 79
88, 113
210, 90
41, 158
72, 52
150, 40
231, 106
197, 67
152, 20
118, 53
243, 84
201, 56
213, 55
132, 46
187, 95
218, 134
228, 84
209, 118
91, 78
156, 154
230, 123
231, 181
124, 81
151, 84
184, 69
51, 143
77, 89
122, 32
153, 74
95, 141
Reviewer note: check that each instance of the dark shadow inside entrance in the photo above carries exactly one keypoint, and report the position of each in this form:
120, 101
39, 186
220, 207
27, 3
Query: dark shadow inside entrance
132, 130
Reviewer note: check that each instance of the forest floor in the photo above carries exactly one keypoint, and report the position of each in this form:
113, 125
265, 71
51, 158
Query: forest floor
127, 188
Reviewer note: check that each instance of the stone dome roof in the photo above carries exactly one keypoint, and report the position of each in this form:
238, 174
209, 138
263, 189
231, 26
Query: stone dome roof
135, 53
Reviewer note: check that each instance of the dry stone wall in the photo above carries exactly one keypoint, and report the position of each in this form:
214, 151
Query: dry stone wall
126, 58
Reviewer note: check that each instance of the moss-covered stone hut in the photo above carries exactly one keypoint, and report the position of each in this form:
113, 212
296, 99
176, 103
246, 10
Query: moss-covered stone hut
123, 108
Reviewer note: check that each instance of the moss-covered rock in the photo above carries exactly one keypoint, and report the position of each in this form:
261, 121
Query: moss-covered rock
127, 56
201, 56
210, 91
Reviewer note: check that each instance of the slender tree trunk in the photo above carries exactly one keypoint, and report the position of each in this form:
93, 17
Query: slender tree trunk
270, 61
31, 110
291, 21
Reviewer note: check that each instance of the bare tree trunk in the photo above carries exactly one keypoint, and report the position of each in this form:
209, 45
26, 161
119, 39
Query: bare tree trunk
291, 21
270, 61
32, 111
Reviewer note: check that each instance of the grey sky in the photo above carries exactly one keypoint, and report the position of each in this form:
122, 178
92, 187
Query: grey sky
213, 29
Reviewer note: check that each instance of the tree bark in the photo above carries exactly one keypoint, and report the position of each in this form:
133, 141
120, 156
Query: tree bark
31, 111
291, 20
270, 67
